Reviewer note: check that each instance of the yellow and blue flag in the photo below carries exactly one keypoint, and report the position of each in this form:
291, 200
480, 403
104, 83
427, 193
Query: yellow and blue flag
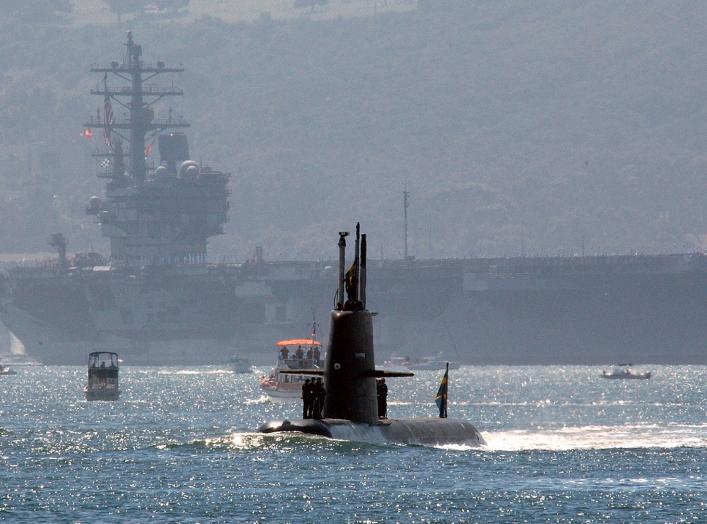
441, 398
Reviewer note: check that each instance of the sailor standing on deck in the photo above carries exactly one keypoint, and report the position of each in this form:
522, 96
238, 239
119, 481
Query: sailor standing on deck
307, 399
319, 394
382, 398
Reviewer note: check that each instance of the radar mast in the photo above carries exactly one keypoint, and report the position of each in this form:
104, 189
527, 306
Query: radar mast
137, 95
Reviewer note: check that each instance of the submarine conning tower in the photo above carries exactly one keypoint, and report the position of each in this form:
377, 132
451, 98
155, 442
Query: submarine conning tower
350, 364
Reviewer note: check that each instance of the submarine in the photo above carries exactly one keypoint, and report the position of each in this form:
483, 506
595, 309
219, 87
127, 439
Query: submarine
350, 406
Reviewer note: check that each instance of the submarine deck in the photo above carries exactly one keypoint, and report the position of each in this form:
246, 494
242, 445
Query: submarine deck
421, 431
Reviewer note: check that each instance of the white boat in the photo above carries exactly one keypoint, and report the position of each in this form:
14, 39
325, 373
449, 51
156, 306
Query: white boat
240, 364
624, 371
436, 363
304, 353
406, 363
102, 376
6, 370
396, 363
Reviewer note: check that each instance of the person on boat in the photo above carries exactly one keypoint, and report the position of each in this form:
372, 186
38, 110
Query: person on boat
284, 353
299, 354
309, 355
315, 355
382, 398
319, 394
307, 398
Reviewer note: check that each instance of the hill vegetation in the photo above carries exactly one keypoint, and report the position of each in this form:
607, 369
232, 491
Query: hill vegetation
539, 127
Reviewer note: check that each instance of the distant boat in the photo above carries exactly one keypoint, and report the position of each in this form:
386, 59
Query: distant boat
428, 363
102, 376
624, 371
5, 370
241, 365
436, 363
396, 363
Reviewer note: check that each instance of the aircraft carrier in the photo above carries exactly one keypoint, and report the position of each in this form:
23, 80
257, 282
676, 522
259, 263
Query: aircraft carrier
156, 300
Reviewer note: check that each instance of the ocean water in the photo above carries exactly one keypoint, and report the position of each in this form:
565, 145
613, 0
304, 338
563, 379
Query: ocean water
179, 446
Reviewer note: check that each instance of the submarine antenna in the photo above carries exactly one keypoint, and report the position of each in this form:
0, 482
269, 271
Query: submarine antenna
342, 263
363, 270
357, 264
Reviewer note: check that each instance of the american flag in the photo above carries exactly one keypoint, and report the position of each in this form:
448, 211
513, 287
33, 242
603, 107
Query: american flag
107, 114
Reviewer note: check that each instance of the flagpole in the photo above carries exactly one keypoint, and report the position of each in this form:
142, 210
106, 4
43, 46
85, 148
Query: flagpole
441, 397
446, 396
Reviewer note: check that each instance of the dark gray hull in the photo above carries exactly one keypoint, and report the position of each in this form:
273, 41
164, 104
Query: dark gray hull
418, 431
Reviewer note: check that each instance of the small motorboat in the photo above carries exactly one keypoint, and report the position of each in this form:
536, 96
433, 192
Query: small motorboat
102, 376
240, 364
406, 363
297, 353
6, 370
436, 363
624, 371
397, 363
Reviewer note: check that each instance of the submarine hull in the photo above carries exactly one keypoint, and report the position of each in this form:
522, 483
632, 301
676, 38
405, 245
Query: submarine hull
420, 431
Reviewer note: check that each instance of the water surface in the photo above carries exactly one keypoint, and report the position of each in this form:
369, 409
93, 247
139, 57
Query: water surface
563, 445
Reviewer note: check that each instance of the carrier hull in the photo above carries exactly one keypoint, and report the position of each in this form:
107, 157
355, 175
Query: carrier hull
648, 309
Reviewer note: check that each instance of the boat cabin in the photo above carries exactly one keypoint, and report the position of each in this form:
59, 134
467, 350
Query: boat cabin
102, 376
299, 353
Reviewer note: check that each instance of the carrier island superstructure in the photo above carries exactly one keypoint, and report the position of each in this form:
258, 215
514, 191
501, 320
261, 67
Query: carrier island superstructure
153, 217
156, 300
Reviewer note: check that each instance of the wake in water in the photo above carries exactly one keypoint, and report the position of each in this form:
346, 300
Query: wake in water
196, 372
262, 399
598, 437
561, 439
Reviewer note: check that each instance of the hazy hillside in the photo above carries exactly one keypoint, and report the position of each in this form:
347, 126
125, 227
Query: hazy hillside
512, 123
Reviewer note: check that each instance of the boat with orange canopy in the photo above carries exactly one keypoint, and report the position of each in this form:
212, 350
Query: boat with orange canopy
295, 353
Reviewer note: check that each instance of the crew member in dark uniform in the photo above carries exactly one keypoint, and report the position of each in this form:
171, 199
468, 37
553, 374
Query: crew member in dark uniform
319, 394
307, 399
382, 398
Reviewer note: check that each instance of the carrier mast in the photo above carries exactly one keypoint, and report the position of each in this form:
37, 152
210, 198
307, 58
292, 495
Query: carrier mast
138, 98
